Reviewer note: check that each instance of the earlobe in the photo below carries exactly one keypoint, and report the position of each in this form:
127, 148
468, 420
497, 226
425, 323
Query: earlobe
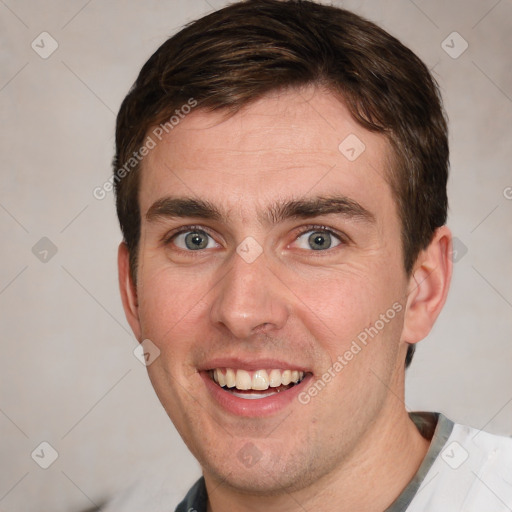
428, 287
128, 290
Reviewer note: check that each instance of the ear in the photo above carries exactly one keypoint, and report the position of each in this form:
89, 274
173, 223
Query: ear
128, 290
428, 286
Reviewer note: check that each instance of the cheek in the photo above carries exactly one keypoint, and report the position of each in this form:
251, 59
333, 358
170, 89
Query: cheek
357, 316
339, 303
170, 303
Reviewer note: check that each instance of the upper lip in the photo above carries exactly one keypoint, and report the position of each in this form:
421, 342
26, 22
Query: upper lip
251, 364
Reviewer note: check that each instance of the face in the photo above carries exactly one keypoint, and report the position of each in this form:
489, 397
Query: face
271, 279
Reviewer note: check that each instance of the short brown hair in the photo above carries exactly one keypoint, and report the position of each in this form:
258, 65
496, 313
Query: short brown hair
236, 55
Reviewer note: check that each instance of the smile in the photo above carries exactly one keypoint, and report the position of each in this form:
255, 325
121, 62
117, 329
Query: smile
255, 384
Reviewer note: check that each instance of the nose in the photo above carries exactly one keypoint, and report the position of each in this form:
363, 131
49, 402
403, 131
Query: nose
250, 299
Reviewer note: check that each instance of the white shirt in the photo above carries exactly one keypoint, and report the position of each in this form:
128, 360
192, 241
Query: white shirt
471, 471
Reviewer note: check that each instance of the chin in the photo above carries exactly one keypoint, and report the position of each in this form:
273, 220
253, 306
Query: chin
262, 467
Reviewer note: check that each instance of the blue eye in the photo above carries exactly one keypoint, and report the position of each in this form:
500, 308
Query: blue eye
317, 240
194, 240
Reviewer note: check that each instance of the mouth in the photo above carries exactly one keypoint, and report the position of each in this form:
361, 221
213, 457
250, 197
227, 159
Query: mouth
255, 385
254, 388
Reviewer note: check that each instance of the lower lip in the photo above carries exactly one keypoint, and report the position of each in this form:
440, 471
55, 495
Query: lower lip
253, 407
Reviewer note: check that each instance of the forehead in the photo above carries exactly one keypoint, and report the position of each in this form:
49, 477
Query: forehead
288, 145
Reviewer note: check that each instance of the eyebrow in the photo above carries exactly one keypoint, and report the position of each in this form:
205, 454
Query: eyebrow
182, 207
169, 207
317, 206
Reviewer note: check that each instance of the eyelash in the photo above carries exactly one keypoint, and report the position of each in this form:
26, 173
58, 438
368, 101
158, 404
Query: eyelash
344, 239
318, 227
168, 238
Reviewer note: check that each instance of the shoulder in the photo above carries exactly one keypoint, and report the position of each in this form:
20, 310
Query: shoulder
472, 472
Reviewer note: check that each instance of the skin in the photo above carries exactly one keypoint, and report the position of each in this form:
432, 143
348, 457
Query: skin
353, 445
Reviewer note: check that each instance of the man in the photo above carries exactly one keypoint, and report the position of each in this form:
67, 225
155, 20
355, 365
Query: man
281, 173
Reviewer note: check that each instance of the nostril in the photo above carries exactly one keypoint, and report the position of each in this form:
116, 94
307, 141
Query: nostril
262, 327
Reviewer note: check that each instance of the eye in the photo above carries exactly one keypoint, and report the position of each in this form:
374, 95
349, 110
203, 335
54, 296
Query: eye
194, 240
317, 240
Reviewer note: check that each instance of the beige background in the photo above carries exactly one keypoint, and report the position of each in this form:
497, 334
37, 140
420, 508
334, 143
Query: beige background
67, 372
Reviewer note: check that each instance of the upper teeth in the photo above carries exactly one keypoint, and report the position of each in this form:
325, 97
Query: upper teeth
258, 380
